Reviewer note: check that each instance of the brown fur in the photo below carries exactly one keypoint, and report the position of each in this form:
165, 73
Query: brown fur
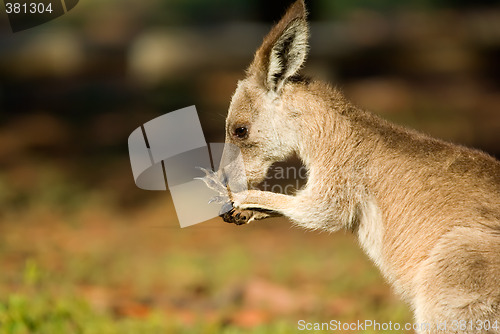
426, 211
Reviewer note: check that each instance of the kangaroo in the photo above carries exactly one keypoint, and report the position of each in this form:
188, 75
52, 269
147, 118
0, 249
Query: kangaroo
426, 211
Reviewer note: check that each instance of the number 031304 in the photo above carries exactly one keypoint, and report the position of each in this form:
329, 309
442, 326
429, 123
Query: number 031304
27, 8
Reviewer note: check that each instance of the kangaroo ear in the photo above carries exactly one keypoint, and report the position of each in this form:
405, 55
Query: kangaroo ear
283, 50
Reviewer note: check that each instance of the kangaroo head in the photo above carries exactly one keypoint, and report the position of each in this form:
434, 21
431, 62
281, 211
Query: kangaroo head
262, 119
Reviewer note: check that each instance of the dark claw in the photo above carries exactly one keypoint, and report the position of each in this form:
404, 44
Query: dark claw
241, 221
228, 216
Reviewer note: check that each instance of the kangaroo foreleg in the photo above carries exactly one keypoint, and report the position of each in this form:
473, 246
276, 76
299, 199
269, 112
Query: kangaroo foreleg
255, 205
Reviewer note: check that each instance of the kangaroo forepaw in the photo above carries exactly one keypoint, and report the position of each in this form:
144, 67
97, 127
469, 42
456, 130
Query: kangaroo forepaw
238, 216
243, 216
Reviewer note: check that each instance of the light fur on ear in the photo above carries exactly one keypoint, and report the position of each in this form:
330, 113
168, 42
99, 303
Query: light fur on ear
283, 50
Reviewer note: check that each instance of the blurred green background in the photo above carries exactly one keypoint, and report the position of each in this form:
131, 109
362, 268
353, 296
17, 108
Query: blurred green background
82, 250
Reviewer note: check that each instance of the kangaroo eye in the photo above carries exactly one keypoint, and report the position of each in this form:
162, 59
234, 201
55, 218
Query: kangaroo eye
241, 132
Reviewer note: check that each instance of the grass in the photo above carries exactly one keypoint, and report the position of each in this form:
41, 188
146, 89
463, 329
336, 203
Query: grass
40, 314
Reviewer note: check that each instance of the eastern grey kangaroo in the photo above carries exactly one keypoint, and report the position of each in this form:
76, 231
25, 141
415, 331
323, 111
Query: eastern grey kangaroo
426, 211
